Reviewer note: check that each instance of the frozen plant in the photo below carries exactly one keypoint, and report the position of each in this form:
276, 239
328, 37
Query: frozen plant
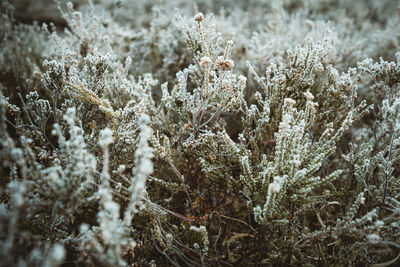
214, 133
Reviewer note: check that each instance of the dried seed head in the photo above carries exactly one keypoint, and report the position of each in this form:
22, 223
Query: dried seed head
309, 95
205, 61
199, 17
220, 61
289, 102
228, 64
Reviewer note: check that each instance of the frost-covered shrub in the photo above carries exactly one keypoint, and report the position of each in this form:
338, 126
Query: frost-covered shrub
195, 134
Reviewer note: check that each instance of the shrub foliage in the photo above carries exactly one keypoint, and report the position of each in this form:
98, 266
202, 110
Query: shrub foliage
259, 132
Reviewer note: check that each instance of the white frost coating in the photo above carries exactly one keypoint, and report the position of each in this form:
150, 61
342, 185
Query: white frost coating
106, 137
144, 167
197, 229
274, 187
58, 252
373, 238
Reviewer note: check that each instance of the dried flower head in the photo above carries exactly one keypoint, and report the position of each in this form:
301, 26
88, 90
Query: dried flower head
219, 62
205, 61
289, 102
199, 17
309, 95
228, 64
